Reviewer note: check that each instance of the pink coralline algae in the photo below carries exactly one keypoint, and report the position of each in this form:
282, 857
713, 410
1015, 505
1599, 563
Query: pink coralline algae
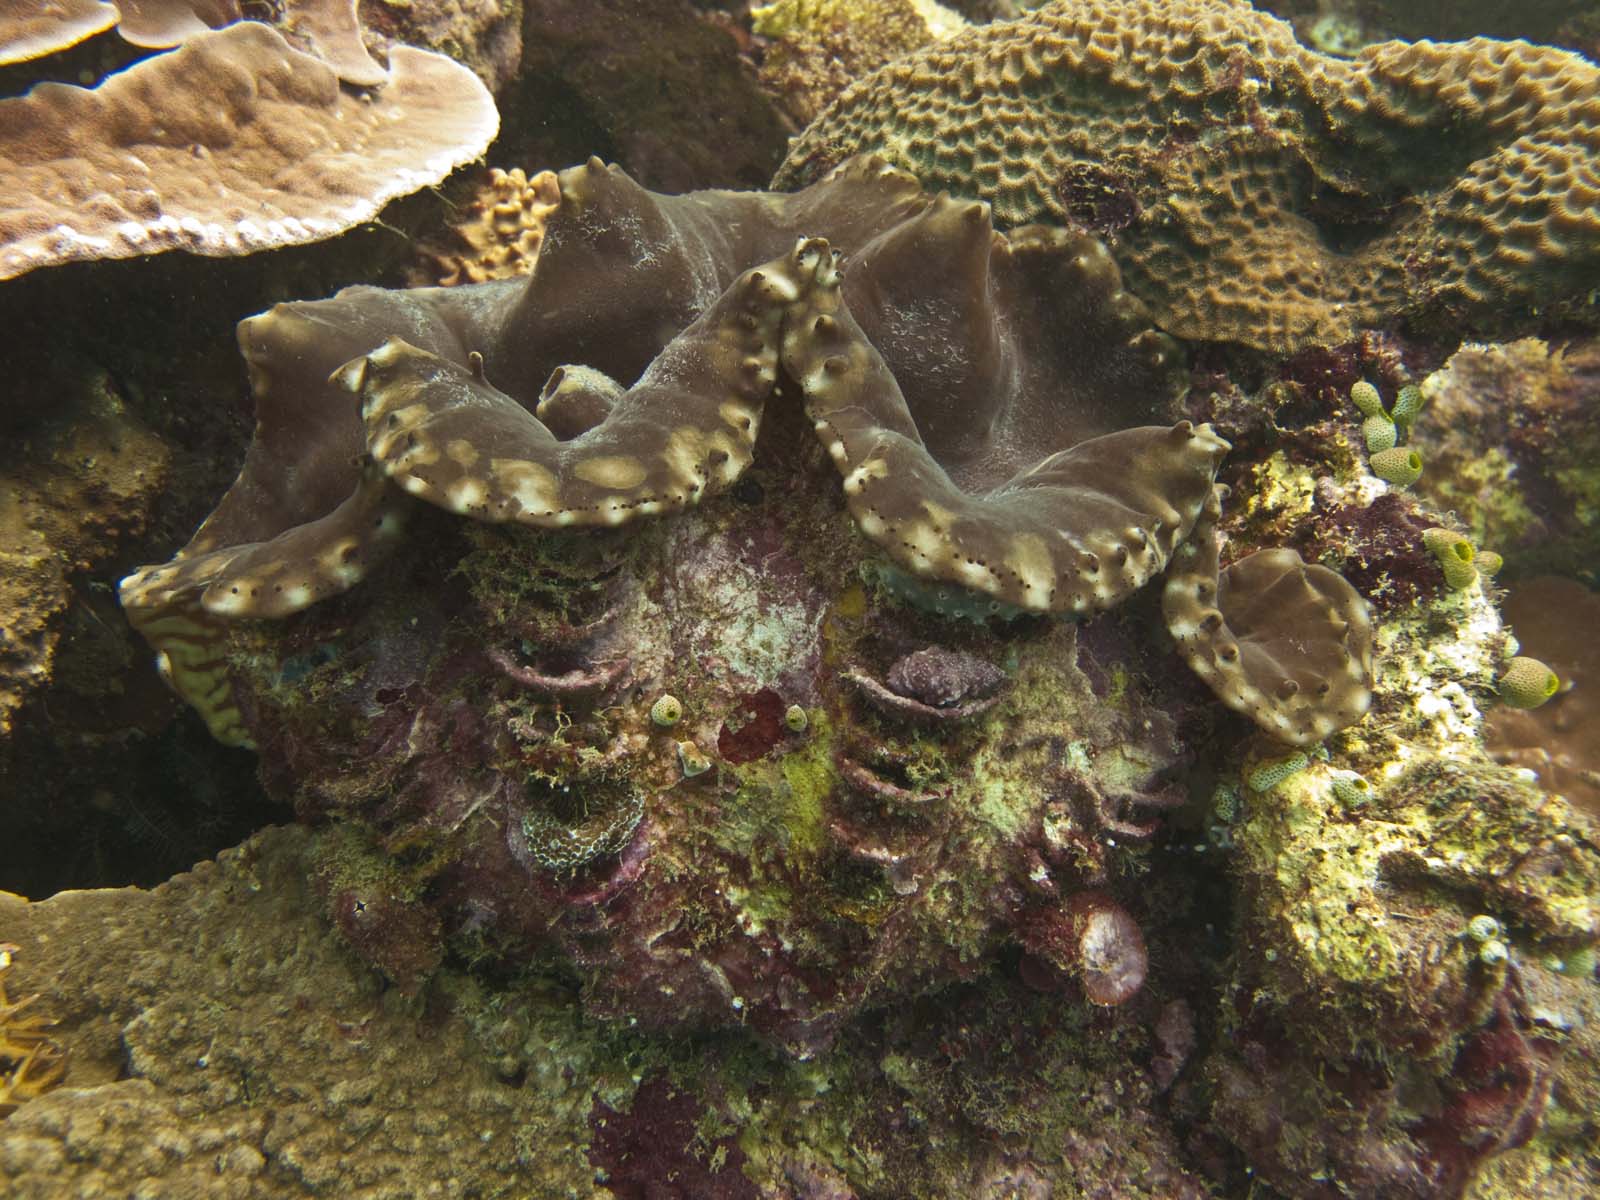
473, 721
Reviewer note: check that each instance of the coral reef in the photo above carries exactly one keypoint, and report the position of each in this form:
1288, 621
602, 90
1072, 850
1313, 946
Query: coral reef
1430, 1050
223, 1043
554, 799
328, 29
87, 484
162, 24
1259, 192
1512, 446
1417, 917
709, 651
242, 144
813, 49
1356, 23
1555, 619
495, 235
120, 425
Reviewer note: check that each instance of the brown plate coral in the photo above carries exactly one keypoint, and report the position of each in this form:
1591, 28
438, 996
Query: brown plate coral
663, 746
233, 143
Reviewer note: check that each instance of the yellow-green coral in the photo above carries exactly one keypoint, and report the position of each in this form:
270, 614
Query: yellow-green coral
1527, 683
1362, 914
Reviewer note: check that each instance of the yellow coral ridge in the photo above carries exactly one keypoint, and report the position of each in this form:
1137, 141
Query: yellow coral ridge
1072, 115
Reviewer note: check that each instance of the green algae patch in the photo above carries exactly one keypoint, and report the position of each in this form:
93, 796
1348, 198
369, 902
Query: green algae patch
348, 859
1530, 856
1281, 491
1003, 781
1362, 916
783, 801
1322, 875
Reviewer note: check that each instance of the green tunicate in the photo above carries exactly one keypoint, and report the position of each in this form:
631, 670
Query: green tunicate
1351, 790
1379, 433
1527, 683
1407, 405
795, 718
1488, 563
1268, 775
1483, 928
667, 711
1455, 555
1493, 952
1397, 466
1225, 803
1366, 398
692, 760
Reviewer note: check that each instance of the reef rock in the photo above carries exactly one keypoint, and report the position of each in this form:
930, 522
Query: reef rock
217, 1039
1510, 434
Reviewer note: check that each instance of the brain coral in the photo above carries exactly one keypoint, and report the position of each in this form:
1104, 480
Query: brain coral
479, 711
1258, 192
